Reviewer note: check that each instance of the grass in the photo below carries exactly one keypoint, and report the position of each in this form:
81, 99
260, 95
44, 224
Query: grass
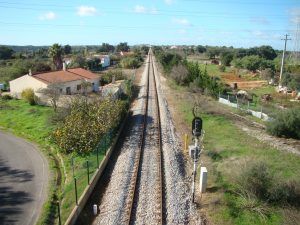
226, 149
31, 122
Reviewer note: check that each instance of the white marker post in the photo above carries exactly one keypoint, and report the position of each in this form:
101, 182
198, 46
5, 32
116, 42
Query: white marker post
203, 179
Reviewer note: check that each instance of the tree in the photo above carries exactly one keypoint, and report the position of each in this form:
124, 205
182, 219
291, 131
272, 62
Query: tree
5, 52
105, 47
251, 62
201, 49
267, 52
226, 58
67, 49
56, 53
53, 92
123, 46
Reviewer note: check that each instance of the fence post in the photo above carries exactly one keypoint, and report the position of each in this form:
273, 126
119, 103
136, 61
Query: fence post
88, 171
261, 110
58, 211
98, 156
185, 142
76, 197
228, 98
105, 143
72, 163
248, 105
237, 102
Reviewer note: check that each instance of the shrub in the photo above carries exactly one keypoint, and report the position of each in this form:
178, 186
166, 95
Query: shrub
28, 95
180, 74
6, 97
286, 124
107, 77
130, 62
285, 192
256, 179
82, 129
222, 68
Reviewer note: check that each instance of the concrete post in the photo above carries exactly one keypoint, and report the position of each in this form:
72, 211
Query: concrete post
203, 179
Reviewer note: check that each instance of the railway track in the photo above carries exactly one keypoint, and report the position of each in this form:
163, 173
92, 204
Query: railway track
145, 195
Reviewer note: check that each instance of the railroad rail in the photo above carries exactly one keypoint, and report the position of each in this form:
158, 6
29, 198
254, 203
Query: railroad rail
133, 193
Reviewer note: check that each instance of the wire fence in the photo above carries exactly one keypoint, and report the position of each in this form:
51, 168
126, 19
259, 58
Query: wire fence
83, 169
263, 110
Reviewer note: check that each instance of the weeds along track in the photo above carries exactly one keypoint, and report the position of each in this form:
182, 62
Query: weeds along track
145, 199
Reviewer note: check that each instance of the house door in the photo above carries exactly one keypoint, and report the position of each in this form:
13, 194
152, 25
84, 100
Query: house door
68, 90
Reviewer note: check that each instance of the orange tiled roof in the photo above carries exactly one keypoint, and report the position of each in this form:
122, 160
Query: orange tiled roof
65, 76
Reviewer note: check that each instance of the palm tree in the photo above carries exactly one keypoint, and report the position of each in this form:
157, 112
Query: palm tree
56, 52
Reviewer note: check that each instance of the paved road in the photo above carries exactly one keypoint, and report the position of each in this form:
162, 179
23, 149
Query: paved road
23, 181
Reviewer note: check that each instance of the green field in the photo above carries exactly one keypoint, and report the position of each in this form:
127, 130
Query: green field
227, 148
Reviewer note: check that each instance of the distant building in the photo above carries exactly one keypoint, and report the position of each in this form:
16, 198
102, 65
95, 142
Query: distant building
2, 87
104, 60
69, 81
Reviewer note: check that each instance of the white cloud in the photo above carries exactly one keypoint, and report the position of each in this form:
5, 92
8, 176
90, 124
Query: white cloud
182, 21
168, 2
86, 11
48, 16
153, 11
140, 9
143, 9
259, 20
259, 34
295, 15
182, 31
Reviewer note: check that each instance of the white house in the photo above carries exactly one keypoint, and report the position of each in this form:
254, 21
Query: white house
105, 61
69, 81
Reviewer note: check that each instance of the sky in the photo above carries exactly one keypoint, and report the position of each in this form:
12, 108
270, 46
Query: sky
238, 23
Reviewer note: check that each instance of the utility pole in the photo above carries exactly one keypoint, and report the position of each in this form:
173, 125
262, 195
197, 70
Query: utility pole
282, 60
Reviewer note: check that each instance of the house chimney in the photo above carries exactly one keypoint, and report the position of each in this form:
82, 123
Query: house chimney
30, 73
64, 66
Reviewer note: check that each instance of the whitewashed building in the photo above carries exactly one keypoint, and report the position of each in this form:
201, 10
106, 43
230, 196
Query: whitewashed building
69, 81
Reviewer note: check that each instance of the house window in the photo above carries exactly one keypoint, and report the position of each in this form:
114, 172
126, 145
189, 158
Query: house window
68, 90
78, 87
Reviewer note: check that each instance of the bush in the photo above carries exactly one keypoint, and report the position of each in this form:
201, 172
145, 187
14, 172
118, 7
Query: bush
6, 97
87, 122
180, 74
130, 62
222, 68
286, 124
107, 77
28, 95
285, 192
256, 180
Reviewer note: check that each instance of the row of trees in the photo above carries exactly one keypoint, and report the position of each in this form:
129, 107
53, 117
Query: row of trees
264, 51
190, 74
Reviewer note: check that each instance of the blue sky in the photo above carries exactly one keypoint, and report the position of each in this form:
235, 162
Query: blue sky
238, 23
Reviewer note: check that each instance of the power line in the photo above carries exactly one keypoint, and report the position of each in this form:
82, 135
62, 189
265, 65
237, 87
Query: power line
154, 13
135, 27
